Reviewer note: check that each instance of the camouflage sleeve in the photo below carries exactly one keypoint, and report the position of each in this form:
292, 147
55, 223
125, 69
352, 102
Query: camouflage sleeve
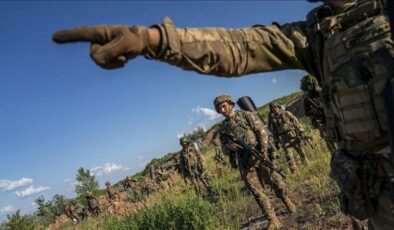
223, 143
200, 159
258, 129
272, 129
182, 165
295, 122
235, 52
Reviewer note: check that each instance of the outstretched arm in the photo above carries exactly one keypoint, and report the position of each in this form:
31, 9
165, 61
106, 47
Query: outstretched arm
216, 51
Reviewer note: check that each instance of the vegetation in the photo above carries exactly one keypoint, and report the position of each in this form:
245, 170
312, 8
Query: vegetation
86, 182
231, 208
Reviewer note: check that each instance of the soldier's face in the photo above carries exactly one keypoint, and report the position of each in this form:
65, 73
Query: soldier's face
276, 109
225, 109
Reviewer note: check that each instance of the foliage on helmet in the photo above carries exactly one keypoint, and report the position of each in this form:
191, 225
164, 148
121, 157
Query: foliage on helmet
183, 140
309, 80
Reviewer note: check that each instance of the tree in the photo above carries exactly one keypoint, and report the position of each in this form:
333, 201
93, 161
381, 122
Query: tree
17, 221
86, 182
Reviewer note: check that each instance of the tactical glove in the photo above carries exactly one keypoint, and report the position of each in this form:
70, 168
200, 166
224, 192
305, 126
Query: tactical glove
111, 46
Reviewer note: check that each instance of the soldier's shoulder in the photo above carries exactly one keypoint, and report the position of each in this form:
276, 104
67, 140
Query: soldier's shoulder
316, 14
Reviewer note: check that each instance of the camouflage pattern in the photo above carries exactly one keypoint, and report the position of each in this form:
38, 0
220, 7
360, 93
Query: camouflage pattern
192, 167
222, 98
129, 183
163, 178
286, 130
247, 127
347, 47
313, 107
72, 212
112, 194
93, 204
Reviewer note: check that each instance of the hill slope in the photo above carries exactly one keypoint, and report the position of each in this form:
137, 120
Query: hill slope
179, 207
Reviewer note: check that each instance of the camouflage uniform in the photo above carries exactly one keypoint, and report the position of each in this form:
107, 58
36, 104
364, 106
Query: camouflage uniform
286, 130
162, 178
72, 212
112, 194
93, 204
219, 156
129, 183
313, 108
347, 47
192, 166
247, 127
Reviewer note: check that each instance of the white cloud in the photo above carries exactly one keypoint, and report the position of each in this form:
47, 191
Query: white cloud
107, 169
7, 210
30, 191
273, 80
8, 185
179, 135
209, 113
71, 182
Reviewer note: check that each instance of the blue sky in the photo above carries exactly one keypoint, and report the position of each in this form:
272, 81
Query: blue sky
59, 111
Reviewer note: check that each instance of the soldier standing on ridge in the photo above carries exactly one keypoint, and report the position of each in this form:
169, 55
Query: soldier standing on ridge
112, 194
345, 44
93, 204
192, 166
287, 131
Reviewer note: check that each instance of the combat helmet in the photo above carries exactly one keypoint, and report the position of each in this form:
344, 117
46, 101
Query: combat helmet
273, 104
220, 99
107, 183
309, 80
89, 194
184, 140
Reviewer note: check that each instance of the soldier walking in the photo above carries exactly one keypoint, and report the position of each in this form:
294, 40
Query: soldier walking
72, 212
112, 194
192, 166
247, 127
93, 204
313, 108
345, 44
287, 131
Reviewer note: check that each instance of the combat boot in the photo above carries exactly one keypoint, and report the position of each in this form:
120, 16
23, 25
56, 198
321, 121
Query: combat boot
289, 205
273, 223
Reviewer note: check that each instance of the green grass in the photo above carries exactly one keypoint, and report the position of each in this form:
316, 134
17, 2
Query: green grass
233, 205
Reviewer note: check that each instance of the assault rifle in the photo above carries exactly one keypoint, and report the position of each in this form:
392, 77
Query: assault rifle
250, 150
306, 139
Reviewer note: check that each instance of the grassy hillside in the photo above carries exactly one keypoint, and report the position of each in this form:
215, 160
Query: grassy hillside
233, 207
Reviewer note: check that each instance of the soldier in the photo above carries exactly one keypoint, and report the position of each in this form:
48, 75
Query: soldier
129, 183
112, 194
219, 157
93, 204
192, 166
287, 131
345, 44
72, 212
313, 108
246, 126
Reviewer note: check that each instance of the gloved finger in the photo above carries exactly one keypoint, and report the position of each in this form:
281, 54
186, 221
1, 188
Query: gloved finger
98, 54
112, 50
95, 34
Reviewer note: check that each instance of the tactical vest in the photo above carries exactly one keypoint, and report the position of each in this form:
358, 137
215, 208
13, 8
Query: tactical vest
354, 66
282, 124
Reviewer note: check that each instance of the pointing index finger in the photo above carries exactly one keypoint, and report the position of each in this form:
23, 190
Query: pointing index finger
87, 33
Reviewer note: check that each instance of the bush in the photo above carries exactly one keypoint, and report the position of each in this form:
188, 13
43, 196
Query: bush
170, 213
